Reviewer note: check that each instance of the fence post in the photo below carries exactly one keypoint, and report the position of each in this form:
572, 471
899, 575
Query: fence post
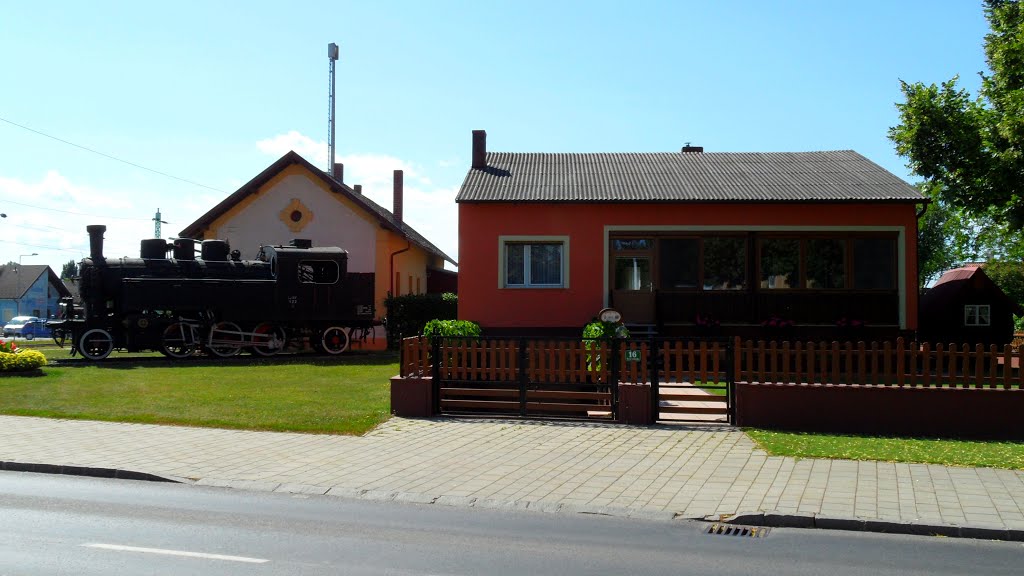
614, 374
652, 371
523, 376
731, 355
435, 372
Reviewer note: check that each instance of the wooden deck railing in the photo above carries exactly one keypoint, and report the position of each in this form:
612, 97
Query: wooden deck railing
568, 361
887, 364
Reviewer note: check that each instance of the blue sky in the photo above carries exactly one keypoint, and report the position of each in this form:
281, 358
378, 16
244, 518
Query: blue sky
214, 94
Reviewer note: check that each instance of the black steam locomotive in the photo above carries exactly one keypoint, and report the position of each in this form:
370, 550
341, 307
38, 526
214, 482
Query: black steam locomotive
294, 297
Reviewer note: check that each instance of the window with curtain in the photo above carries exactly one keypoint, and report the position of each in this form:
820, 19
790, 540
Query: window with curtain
533, 264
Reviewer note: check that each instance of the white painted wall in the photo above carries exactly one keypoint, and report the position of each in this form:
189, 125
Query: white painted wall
333, 224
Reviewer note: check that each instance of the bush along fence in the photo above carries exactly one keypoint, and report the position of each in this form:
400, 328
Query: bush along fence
881, 388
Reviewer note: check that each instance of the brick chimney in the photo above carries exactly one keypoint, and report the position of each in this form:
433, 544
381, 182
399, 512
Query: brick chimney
397, 210
339, 172
479, 149
358, 188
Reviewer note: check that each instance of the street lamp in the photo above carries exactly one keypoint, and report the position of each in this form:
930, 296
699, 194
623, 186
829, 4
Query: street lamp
20, 295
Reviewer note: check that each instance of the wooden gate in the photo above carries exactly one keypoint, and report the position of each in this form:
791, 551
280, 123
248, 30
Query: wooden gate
573, 378
528, 378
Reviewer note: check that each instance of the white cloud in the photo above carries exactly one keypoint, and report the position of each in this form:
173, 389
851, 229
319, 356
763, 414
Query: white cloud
48, 218
427, 207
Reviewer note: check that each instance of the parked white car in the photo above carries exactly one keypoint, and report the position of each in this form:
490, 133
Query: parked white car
17, 324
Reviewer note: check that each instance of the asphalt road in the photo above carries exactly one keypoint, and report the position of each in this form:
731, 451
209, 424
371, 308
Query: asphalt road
71, 525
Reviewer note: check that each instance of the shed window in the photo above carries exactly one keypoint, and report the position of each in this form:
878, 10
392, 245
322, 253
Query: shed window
977, 315
318, 272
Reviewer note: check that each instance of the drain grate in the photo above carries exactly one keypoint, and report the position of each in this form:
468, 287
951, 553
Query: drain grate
738, 530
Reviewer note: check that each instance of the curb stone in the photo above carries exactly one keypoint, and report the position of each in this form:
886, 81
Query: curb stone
88, 471
770, 519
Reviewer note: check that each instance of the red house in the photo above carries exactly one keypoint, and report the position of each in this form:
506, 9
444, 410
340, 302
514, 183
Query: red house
805, 243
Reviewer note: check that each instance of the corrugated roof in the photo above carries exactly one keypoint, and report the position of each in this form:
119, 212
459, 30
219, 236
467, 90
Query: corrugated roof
836, 176
386, 218
957, 274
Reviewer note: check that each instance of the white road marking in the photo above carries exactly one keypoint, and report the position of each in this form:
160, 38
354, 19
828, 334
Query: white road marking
176, 553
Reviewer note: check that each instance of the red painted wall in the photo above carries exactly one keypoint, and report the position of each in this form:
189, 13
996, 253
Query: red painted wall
480, 225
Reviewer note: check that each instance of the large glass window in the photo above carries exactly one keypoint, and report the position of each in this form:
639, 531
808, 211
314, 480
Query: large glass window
780, 263
874, 263
632, 273
826, 263
679, 263
534, 264
725, 262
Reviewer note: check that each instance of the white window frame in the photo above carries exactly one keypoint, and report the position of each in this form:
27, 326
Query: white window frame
503, 243
972, 316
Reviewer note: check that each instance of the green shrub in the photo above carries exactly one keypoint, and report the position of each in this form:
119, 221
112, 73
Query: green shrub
21, 361
451, 328
407, 315
598, 330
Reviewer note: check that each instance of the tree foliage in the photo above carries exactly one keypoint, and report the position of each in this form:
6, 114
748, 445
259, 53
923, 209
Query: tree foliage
973, 147
70, 270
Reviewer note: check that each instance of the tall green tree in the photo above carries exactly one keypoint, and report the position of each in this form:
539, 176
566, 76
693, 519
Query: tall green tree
70, 269
973, 147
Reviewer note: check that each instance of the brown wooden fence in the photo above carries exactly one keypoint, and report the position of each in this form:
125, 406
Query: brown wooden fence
887, 364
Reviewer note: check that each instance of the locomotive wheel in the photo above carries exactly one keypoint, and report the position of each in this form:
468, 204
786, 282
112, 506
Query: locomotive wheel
268, 339
226, 339
334, 340
179, 341
96, 344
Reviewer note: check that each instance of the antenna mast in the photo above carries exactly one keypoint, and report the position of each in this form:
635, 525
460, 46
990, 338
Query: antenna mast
156, 224
332, 55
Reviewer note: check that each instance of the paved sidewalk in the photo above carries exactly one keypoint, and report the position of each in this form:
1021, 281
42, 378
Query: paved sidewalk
659, 472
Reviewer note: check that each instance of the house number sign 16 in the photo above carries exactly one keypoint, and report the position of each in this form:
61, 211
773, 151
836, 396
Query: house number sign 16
632, 355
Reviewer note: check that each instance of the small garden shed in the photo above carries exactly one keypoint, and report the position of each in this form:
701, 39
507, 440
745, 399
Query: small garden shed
966, 306
801, 244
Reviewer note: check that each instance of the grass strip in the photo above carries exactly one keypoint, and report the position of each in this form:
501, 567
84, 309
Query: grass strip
336, 397
948, 452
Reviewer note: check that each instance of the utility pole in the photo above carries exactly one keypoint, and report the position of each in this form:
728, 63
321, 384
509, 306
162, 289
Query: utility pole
156, 224
332, 55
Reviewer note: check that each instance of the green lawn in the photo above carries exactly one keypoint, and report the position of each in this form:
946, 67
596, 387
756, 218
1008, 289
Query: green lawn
987, 454
348, 395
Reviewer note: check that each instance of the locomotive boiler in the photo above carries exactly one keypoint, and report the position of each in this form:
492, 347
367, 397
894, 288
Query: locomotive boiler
169, 300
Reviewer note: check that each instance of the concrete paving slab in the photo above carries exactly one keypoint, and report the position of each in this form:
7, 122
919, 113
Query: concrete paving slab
656, 472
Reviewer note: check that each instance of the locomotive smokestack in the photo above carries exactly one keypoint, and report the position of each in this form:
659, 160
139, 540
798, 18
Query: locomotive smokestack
399, 175
96, 240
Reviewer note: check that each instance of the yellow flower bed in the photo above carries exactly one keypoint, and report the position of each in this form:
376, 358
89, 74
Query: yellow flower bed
21, 360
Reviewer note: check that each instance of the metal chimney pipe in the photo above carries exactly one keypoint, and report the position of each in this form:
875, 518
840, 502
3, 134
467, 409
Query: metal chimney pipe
96, 240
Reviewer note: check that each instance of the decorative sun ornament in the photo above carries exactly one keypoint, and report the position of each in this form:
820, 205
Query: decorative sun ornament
296, 215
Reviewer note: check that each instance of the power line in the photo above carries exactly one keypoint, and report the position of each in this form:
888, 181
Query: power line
76, 213
44, 247
187, 181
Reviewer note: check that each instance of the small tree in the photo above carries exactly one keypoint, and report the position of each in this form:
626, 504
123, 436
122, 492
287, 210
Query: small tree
70, 270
